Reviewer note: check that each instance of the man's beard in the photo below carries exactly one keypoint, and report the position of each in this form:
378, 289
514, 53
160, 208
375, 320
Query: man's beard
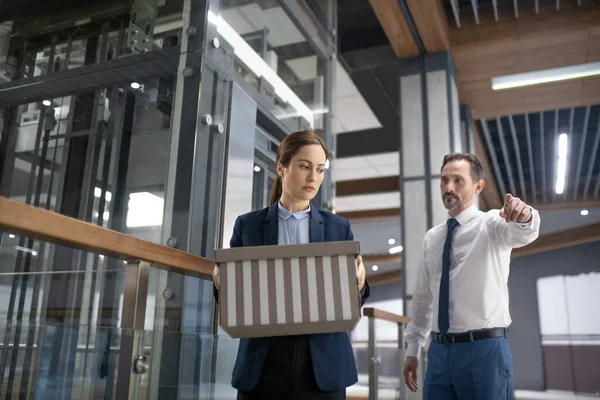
451, 206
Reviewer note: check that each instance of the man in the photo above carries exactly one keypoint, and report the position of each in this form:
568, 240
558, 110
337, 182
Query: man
461, 293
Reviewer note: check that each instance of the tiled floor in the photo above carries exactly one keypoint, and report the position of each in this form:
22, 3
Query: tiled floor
362, 392
551, 395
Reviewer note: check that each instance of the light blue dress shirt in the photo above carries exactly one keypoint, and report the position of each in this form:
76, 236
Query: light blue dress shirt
294, 228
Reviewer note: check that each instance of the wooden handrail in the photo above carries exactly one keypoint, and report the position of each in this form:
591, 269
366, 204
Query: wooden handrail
40, 224
386, 316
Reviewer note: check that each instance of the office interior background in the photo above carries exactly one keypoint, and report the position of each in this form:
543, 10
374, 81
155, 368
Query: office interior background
160, 119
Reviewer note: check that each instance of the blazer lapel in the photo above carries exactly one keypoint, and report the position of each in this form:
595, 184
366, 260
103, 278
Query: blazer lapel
317, 230
271, 226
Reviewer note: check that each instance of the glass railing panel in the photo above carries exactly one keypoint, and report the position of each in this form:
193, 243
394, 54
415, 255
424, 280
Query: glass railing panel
59, 318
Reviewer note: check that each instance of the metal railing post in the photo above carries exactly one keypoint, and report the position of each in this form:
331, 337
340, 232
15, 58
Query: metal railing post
132, 361
401, 348
422, 370
373, 361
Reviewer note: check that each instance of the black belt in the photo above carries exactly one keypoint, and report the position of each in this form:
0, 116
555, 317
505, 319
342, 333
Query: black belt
451, 338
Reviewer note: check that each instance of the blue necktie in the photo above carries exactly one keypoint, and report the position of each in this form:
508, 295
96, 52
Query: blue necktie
443, 311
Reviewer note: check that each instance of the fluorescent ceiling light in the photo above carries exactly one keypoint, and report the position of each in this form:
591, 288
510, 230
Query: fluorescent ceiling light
144, 209
26, 250
396, 250
561, 167
259, 67
546, 76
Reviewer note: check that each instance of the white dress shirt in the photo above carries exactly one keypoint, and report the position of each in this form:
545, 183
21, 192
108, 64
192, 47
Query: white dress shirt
479, 267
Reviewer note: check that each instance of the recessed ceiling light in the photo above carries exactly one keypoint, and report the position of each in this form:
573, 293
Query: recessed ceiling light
584, 212
561, 168
396, 250
392, 241
374, 267
11, 236
47, 103
256, 168
135, 85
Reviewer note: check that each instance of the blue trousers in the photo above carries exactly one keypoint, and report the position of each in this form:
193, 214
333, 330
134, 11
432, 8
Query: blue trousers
479, 370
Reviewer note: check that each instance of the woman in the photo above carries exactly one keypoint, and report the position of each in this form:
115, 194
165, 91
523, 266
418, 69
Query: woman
304, 366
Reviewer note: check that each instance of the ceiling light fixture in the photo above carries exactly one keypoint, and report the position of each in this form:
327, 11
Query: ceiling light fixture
546, 76
135, 85
392, 241
561, 167
584, 212
26, 250
256, 168
47, 103
396, 250
11, 236
259, 67
374, 267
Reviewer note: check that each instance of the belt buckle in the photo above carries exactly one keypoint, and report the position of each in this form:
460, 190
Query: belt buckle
451, 339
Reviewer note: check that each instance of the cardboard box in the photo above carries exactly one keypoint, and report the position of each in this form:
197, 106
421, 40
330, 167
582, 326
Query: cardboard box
288, 290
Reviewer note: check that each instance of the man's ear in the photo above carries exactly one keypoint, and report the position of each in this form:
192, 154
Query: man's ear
480, 186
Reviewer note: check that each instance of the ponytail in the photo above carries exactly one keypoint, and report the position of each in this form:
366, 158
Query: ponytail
276, 190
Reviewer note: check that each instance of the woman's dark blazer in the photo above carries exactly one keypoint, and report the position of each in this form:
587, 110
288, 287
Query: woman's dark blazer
332, 356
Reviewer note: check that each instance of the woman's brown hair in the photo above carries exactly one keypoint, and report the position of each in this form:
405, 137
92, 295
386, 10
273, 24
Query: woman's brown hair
289, 147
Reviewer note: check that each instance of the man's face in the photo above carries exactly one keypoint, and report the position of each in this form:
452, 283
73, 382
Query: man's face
457, 187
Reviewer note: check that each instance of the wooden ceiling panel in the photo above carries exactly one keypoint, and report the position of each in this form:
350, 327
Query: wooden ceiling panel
396, 28
533, 99
431, 22
529, 43
593, 55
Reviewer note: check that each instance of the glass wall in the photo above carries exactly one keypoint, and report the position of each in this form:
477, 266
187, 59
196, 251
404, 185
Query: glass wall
570, 331
125, 114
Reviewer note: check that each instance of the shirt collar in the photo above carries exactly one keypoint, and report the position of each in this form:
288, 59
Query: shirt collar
285, 214
466, 215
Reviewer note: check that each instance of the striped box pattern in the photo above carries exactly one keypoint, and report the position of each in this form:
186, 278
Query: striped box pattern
288, 290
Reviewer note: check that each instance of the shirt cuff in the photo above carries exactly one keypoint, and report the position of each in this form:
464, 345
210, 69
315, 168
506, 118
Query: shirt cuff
530, 222
413, 350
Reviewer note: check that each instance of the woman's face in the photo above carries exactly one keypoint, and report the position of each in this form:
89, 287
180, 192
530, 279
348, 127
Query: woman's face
302, 178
